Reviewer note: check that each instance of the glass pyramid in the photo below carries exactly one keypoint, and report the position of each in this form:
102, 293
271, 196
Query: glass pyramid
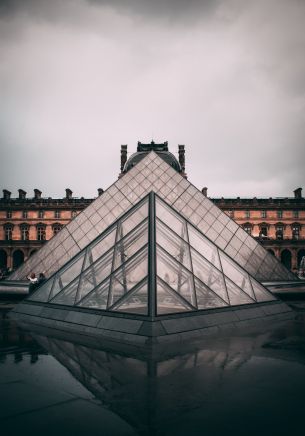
153, 174
152, 261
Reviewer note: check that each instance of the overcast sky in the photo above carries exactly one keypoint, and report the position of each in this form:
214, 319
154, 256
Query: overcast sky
78, 78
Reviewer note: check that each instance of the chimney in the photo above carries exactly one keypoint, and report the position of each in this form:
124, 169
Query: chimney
298, 193
68, 194
181, 153
37, 194
123, 156
100, 191
205, 191
6, 194
22, 194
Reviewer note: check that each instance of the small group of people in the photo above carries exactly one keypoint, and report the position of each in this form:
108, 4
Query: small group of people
35, 282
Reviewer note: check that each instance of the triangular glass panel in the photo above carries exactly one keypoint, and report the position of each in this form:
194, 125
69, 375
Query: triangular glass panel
168, 301
173, 244
68, 295
168, 216
261, 294
95, 274
42, 294
236, 274
98, 298
209, 275
236, 295
135, 301
133, 219
67, 274
99, 247
127, 276
206, 299
175, 276
205, 247
129, 245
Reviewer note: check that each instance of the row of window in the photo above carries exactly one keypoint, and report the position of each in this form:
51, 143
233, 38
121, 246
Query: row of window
279, 213
25, 231
40, 214
279, 230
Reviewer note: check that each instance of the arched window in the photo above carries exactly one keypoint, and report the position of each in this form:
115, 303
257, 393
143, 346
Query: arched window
18, 258
263, 230
32, 252
271, 251
286, 258
8, 231
248, 228
56, 228
24, 231
279, 231
41, 232
295, 227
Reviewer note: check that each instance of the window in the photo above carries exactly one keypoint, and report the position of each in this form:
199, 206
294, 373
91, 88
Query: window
248, 228
279, 231
263, 231
8, 214
8, 230
24, 214
295, 214
295, 231
57, 214
264, 214
280, 214
41, 214
41, 233
57, 228
247, 214
73, 213
24, 230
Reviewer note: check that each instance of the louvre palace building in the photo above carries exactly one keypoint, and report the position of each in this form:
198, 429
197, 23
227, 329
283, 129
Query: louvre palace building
29, 220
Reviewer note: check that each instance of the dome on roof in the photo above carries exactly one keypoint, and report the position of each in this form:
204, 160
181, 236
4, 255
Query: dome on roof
167, 156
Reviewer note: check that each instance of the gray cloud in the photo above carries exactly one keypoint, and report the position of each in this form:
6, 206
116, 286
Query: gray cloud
78, 78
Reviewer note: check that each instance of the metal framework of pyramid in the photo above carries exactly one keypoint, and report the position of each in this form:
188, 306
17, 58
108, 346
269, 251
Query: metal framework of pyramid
154, 174
150, 277
151, 262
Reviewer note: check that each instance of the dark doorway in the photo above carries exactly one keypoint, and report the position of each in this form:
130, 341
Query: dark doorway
3, 259
18, 258
286, 258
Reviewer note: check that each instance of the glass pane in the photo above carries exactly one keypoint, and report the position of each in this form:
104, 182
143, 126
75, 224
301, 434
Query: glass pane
132, 220
204, 246
173, 244
236, 295
261, 294
171, 219
42, 294
68, 295
209, 275
177, 277
98, 248
96, 273
206, 298
129, 245
135, 302
129, 275
98, 298
236, 274
168, 301
69, 273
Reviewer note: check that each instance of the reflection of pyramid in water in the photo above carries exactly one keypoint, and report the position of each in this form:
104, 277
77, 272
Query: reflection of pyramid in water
153, 174
151, 262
